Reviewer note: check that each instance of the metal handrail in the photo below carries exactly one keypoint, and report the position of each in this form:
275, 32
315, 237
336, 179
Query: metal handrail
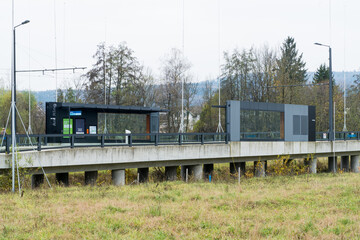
41, 141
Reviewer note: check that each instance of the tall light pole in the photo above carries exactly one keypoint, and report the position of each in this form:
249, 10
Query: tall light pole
13, 105
331, 129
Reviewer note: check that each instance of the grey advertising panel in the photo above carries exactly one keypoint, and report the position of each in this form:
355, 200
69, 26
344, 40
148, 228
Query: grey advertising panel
296, 122
233, 108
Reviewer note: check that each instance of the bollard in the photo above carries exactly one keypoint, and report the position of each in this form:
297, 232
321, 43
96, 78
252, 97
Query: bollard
239, 174
187, 175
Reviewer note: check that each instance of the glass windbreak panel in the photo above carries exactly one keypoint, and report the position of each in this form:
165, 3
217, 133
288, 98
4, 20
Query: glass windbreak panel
260, 124
118, 123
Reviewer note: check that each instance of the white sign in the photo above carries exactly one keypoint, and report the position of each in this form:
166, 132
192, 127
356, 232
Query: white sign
92, 129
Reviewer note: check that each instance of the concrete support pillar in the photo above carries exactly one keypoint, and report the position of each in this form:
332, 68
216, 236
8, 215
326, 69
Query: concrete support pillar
143, 174
195, 171
332, 164
259, 167
91, 177
208, 170
355, 163
345, 164
171, 173
183, 172
234, 166
118, 177
36, 180
62, 178
311, 163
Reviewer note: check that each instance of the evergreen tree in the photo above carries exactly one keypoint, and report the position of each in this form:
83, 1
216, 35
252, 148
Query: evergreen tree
291, 71
322, 75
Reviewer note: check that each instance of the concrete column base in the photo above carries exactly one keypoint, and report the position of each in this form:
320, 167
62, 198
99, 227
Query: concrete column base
345, 163
332, 162
311, 164
143, 175
91, 177
355, 163
37, 180
208, 170
171, 173
118, 177
259, 167
195, 171
234, 166
62, 178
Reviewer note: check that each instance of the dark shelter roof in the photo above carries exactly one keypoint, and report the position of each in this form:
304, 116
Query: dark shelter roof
111, 108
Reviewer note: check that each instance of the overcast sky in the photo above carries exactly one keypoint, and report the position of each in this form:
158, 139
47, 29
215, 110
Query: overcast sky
152, 27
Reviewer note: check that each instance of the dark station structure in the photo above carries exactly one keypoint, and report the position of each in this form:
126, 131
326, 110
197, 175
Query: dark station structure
82, 119
269, 121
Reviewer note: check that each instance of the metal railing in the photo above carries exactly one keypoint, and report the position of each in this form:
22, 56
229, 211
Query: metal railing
56, 141
324, 136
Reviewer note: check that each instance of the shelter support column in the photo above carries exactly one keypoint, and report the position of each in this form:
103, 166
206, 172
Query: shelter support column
355, 163
91, 177
143, 174
332, 164
171, 173
345, 164
259, 168
37, 180
62, 178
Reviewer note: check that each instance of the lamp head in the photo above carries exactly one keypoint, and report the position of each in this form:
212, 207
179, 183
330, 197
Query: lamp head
25, 22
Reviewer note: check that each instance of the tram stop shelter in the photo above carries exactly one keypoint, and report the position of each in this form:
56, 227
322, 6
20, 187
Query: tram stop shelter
261, 121
83, 119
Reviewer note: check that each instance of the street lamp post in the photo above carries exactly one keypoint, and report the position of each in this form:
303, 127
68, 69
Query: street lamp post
331, 128
13, 105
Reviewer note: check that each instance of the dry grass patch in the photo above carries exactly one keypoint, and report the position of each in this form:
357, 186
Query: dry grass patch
322, 206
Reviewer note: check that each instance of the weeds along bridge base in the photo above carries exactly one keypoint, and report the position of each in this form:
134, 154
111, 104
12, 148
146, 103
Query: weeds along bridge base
194, 159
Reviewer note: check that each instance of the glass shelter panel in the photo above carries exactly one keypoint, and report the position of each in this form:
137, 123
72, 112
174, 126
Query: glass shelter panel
261, 125
118, 123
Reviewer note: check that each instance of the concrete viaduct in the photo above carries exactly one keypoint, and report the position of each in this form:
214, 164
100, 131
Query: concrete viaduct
197, 159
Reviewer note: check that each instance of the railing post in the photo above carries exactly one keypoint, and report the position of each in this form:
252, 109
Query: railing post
180, 139
156, 139
130, 140
45, 140
102, 140
226, 138
72, 141
39, 143
202, 139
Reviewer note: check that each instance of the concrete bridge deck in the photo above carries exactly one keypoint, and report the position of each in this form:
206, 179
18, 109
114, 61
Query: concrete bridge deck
108, 158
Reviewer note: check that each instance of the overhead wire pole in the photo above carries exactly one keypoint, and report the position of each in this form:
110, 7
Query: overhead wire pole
56, 87
181, 129
345, 111
13, 103
219, 128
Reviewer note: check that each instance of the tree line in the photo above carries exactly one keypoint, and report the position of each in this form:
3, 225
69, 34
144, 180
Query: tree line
256, 74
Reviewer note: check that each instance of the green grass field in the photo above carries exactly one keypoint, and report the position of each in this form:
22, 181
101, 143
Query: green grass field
322, 206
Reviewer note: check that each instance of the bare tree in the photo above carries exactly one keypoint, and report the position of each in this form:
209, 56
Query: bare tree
175, 70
